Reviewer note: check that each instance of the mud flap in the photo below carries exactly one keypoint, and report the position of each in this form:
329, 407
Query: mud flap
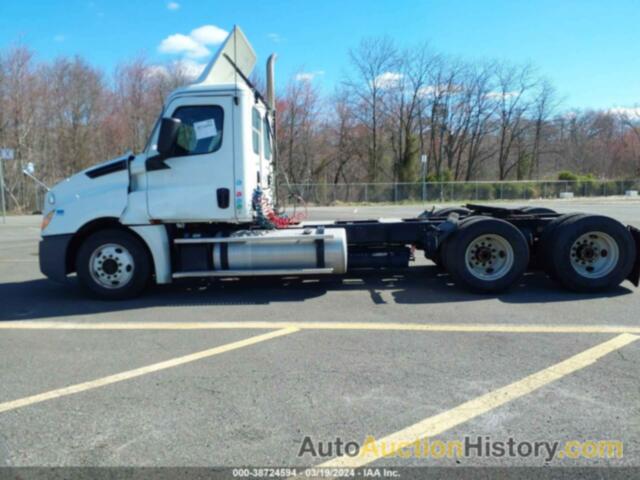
634, 276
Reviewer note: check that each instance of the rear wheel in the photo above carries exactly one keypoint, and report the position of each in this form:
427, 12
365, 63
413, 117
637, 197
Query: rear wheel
113, 264
486, 254
592, 253
544, 247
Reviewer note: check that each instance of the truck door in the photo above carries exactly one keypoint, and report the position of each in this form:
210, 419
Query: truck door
199, 183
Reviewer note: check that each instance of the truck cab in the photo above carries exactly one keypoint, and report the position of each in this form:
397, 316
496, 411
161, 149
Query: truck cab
192, 204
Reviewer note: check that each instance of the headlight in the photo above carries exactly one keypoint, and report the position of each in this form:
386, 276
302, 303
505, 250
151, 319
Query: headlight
46, 220
51, 198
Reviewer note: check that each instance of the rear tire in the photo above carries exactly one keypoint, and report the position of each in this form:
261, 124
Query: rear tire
544, 247
486, 255
113, 265
592, 253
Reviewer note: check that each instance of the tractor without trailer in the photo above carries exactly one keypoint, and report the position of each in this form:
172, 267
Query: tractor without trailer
197, 202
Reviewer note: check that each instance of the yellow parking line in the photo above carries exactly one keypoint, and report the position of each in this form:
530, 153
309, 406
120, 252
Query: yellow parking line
437, 424
119, 377
249, 325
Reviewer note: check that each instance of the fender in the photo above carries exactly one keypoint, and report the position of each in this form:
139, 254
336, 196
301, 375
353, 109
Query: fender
157, 240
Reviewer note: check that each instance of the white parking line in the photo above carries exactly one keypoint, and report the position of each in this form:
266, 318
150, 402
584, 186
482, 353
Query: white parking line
119, 377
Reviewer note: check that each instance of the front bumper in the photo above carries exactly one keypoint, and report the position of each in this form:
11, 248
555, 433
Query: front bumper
53, 256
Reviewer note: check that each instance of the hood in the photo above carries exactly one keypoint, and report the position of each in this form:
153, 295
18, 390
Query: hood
98, 191
98, 177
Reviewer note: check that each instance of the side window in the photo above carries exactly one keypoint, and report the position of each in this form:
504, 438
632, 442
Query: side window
201, 129
267, 140
256, 123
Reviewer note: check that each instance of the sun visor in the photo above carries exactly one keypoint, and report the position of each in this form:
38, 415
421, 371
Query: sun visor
219, 70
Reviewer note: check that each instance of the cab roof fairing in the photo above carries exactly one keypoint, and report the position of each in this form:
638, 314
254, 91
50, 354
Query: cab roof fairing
220, 70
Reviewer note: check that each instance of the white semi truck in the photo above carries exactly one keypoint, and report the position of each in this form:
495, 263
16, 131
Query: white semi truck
196, 203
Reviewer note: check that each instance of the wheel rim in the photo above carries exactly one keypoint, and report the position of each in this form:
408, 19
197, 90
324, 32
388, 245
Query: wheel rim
594, 254
111, 266
489, 257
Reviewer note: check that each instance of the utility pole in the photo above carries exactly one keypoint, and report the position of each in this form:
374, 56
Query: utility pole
424, 161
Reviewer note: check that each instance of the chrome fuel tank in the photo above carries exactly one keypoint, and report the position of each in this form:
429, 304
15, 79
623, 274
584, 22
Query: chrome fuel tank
299, 248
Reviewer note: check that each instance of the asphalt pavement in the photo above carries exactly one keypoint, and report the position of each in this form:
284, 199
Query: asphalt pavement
239, 372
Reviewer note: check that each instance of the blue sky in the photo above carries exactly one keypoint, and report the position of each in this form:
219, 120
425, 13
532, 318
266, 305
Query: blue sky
589, 49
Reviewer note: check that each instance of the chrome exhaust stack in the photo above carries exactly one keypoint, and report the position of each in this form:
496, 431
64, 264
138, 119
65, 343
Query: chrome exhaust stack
271, 94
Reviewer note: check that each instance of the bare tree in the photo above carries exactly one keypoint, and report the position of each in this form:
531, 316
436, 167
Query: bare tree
297, 120
544, 104
404, 109
20, 104
513, 85
349, 145
375, 70
482, 108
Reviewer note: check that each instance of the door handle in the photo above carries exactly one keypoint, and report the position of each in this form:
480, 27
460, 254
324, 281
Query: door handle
223, 195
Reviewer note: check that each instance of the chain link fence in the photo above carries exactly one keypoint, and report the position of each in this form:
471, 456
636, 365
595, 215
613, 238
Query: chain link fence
327, 194
429, 192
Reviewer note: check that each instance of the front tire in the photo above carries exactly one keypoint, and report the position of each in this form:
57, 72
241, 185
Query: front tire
113, 265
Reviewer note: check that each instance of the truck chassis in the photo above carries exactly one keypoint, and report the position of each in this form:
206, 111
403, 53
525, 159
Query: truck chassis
378, 244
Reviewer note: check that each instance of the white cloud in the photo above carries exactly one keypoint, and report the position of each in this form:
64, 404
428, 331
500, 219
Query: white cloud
190, 68
186, 67
274, 37
179, 43
173, 6
388, 80
427, 91
308, 76
209, 35
195, 44
632, 113
156, 71
59, 38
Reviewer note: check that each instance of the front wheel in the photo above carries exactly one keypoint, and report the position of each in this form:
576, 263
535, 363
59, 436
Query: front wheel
486, 255
113, 264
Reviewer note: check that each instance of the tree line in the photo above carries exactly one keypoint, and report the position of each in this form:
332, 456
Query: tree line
472, 120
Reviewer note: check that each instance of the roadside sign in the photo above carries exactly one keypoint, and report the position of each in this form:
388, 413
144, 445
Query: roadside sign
6, 153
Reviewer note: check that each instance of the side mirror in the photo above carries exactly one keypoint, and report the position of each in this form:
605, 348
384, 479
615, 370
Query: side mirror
168, 135
166, 144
